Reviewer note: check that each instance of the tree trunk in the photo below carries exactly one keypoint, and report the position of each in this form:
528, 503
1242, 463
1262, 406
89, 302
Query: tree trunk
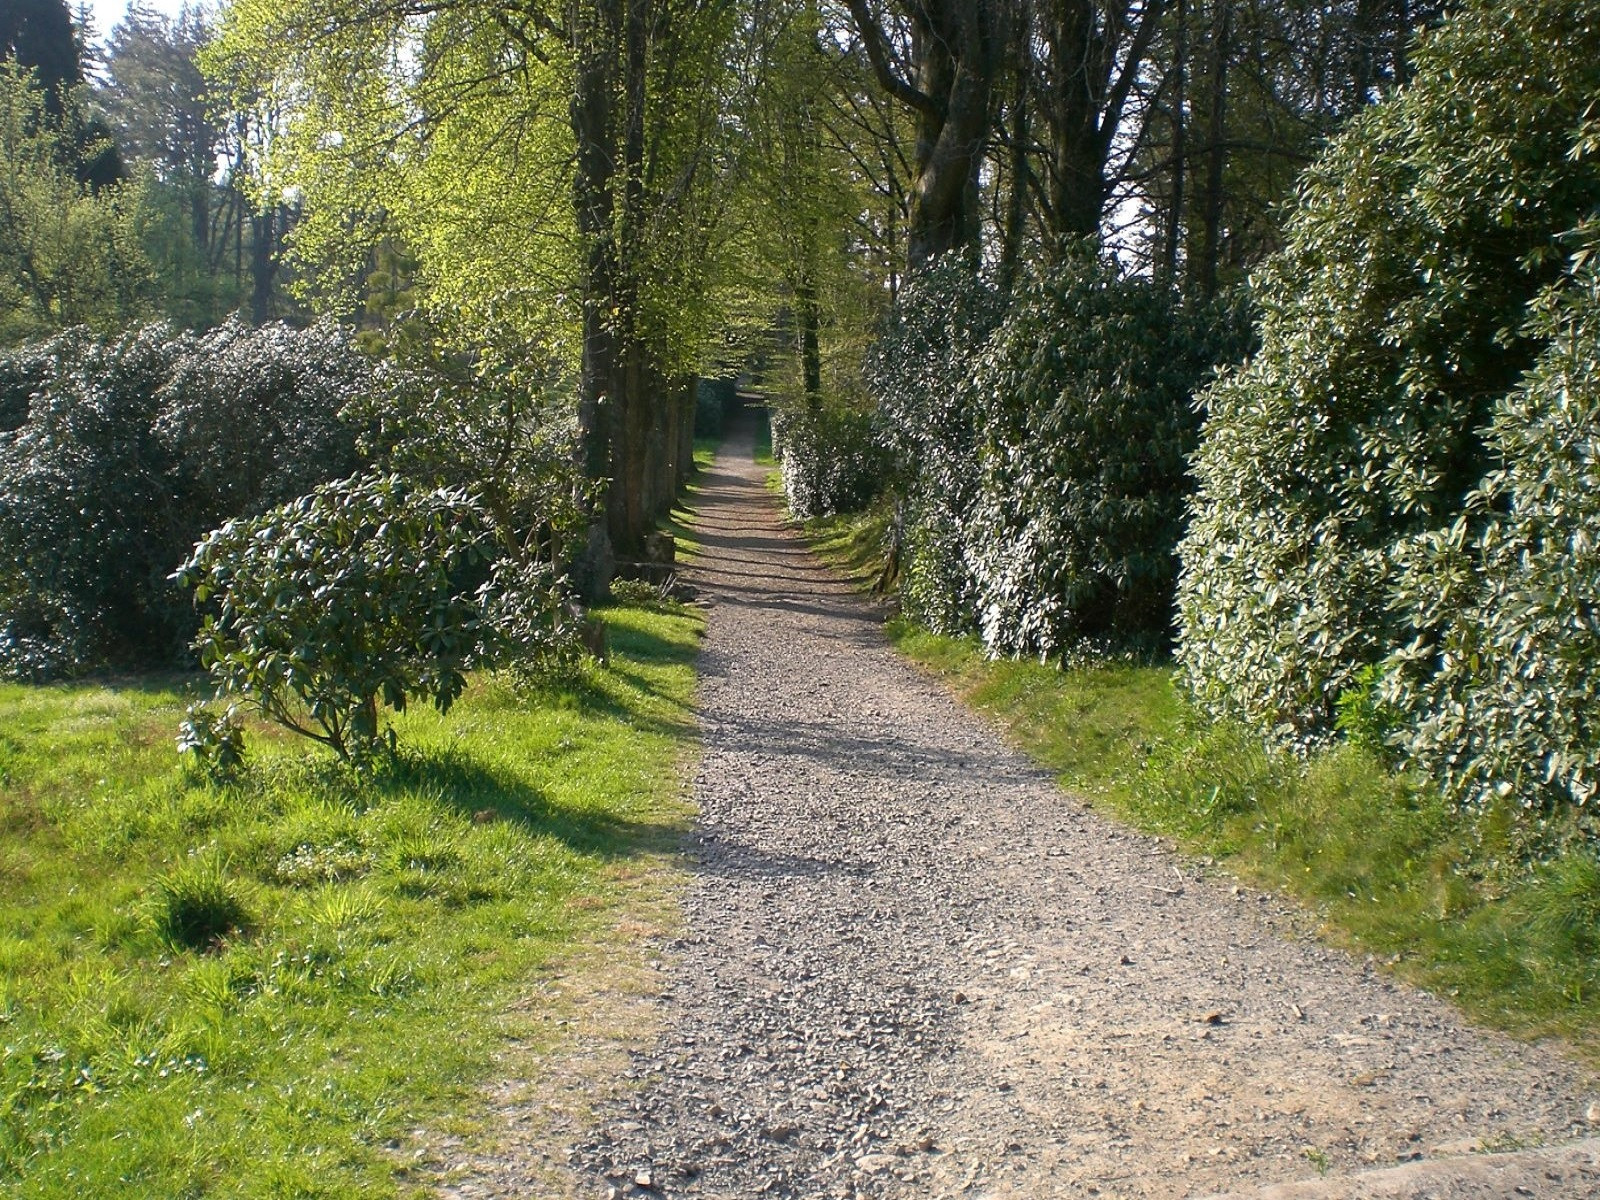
955, 57
1017, 197
1180, 150
263, 265
1216, 154
810, 340
594, 203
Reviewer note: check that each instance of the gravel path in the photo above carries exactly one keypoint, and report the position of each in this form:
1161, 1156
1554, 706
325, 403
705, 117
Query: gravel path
912, 967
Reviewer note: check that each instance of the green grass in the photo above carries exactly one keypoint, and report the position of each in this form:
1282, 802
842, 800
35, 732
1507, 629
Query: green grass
852, 543
763, 445
680, 522
1501, 914
263, 989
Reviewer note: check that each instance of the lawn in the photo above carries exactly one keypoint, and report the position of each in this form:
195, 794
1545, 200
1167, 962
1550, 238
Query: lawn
272, 988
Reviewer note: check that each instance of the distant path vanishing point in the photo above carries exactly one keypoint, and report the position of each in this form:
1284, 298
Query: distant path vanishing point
912, 967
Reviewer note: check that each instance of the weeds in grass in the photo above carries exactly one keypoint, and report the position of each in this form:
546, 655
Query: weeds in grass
197, 904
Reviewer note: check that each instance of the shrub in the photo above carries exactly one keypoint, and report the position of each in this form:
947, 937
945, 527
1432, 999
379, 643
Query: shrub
88, 532
214, 739
1084, 396
829, 458
253, 417
1393, 321
496, 422
714, 399
364, 592
121, 453
1496, 687
917, 372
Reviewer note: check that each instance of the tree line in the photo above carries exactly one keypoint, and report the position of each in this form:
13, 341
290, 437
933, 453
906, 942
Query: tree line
1217, 327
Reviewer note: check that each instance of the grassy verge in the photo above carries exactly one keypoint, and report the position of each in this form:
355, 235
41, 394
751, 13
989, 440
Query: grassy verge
680, 522
264, 989
1494, 909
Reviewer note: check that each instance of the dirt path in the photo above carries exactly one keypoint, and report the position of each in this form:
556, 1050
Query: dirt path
911, 967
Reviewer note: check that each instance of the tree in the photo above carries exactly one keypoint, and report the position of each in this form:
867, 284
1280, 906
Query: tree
940, 59
547, 166
69, 255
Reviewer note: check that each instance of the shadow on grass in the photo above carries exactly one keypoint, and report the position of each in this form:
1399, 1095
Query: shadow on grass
487, 794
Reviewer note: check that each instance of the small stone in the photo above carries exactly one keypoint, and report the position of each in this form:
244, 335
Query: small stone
873, 1164
643, 1179
1592, 1113
961, 998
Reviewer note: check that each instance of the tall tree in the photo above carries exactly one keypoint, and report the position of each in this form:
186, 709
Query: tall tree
547, 163
940, 58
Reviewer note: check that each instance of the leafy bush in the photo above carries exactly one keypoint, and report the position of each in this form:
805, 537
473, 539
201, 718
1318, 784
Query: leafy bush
364, 592
1338, 464
530, 629
121, 453
88, 529
1497, 685
215, 740
830, 460
252, 417
917, 373
1085, 423
496, 422
714, 399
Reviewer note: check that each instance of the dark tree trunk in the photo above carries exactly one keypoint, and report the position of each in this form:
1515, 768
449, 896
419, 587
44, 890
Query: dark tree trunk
955, 52
1095, 61
1216, 152
594, 38
810, 319
1017, 195
263, 263
1180, 149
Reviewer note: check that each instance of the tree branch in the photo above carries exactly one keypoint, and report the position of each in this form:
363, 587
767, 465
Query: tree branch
876, 46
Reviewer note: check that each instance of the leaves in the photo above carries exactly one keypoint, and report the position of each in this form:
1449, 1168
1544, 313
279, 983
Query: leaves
364, 592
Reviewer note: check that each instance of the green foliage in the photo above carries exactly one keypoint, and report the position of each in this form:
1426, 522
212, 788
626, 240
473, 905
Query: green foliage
917, 373
363, 592
215, 740
69, 254
1497, 682
829, 455
88, 524
253, 417
1338, 464
123, 452
496, 421
354, 1008
1085, 421
714, 399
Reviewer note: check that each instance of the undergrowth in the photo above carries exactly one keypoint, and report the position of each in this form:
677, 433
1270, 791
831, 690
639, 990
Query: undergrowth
262, 988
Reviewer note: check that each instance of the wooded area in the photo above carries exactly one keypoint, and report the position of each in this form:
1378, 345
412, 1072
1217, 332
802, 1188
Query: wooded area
1253, 332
